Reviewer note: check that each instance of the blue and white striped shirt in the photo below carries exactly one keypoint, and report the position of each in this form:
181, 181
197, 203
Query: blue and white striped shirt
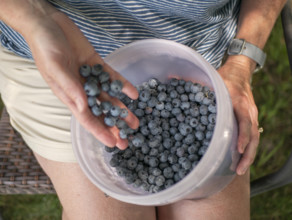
207, 26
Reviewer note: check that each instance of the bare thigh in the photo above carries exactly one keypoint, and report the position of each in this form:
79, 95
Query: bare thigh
82, 200
231, 203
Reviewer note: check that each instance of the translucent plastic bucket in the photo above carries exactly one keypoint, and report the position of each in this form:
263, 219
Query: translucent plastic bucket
138, 62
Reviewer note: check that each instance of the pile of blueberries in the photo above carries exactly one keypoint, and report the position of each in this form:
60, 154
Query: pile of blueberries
98, 80
176, 124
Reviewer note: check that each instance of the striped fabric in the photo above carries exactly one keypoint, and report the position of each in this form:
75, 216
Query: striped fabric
207, 26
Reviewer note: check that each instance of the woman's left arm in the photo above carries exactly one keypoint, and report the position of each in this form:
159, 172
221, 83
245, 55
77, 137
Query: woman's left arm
256, 20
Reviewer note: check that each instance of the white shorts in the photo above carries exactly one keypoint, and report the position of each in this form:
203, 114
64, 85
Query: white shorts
35, 112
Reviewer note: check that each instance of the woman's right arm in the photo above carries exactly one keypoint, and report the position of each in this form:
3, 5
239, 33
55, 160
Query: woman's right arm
59, 48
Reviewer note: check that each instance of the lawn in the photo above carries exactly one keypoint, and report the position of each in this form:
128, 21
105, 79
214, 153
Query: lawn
272, 88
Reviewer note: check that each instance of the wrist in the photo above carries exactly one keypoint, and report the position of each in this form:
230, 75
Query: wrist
243, 63
23, 16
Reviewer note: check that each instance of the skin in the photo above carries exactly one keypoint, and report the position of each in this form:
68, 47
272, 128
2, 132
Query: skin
59, 48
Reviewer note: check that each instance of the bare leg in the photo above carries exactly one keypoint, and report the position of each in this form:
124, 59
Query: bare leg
82, 200
232, 203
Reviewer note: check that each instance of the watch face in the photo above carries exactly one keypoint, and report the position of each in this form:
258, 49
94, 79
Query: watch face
235, 47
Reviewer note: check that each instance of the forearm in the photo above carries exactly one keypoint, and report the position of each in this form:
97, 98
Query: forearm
256, 20
22, 15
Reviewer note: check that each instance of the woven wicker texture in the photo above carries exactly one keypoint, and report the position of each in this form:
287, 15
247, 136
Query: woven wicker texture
20, 172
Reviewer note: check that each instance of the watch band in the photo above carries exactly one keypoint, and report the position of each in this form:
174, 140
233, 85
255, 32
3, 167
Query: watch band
242, 47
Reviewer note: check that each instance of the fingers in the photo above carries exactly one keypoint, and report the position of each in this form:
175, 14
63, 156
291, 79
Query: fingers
249, 153
248, 138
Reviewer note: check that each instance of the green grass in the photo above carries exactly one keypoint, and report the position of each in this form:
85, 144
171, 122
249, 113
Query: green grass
272, 88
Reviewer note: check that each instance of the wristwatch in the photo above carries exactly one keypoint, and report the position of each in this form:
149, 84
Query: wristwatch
242, 47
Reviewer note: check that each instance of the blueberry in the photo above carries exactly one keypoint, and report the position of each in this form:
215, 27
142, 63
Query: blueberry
175, 111
145, 149
139, 155
163, 157
180, 117
173, 82
144, 130
152, 102
173, 130
114, 162
127, 153
161, 96
193, 157
144, 95
194, 111
121, 124
185, 105
142, 105
165, 114
209, 135
96, 69
204, 120
173, 122
151, 179
172, 159
148, 110
187, 86
203, 110
184, 129
91, 100
182, 173
180, 89
139, 167
153, 83
85, 70
109, 149
175, 167
96, 110
138, 140
168, 183
153, 162
187, 165
176, 102
199, 135
139, 112
145, 186
103, 77
206, 101
178, 137
192, 149
195, 88
124, 113
167, 143
202, 150
132, 163
173, 94
159, 105
161, 88
190, 138
91, 88
106, 106
115, 111
105, 87
123, 134
159, 180
153, 152
156, 171
116, 86
137, 183
212, 118
180, 152
199, 97
110, 121
194, 122
168, 172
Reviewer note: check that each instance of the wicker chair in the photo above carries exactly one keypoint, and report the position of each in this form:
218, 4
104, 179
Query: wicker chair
20, 172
